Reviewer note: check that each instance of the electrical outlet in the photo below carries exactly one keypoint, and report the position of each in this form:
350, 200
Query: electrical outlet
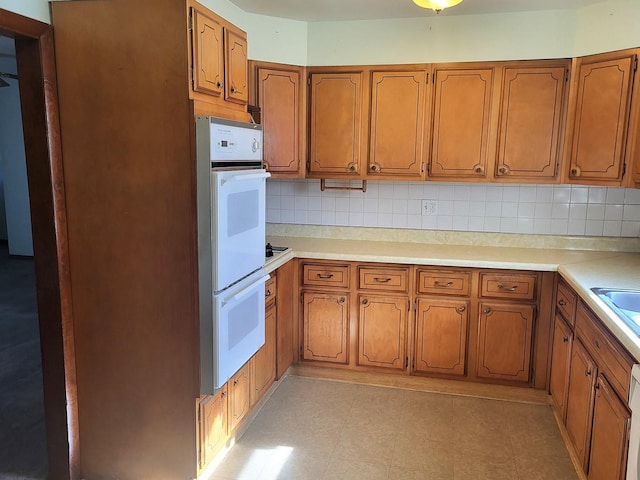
429, 207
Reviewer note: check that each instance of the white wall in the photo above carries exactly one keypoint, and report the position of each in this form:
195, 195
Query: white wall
38, 9
13, 166
613, 25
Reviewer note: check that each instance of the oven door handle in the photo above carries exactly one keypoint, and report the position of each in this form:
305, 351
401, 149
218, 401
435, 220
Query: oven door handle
245, 291
250, 176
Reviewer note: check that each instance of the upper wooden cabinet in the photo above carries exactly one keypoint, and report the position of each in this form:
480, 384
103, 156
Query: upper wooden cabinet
218, 60
599, 118
532, 110
397, 131
337, 126
279, 93
461, 121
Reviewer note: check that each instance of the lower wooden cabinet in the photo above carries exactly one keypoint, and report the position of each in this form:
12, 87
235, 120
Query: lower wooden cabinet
582, 380
441, 336
382, 331
263, 363
609, 437
325, 326
212, 426
239, 396
561, 360
504, 341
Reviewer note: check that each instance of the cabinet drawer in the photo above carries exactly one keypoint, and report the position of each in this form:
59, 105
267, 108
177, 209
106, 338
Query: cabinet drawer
328, 275
444, 282
377, 278
566, 301
515, 286
607, 353
270, 289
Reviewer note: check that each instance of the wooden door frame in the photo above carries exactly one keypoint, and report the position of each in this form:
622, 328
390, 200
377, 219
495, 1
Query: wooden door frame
41, 125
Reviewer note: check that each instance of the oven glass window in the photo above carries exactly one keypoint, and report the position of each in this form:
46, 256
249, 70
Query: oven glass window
243, 213
243, 319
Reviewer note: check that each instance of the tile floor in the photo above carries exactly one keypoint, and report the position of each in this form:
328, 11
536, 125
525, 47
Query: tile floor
319, 429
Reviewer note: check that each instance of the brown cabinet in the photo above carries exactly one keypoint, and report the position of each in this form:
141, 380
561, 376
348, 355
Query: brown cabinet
337, 124
504, 341
239, 396
441, 336
599, 118
212, 426
609, 436
397, 128
382, 331
279, 92
325, 326
461, 121
263, 363
582, 378
560, 363
531, 116
286, 310
218, 58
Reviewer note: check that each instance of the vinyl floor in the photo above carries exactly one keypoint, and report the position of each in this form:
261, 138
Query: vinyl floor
22, 430
323, 429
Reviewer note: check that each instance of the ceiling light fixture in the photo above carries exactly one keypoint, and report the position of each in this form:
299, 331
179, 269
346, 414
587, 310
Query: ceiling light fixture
436, 5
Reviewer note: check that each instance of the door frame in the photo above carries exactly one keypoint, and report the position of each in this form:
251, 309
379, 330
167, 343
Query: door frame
35, 58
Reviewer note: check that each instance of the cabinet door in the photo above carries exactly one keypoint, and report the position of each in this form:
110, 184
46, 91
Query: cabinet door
239, 396
285, 307
208, 54
212, 417
335, 125
263, 363
382, 331
279, 98
601, 109
461, 118
582, 378
530, 121
504, 341
236, 63
326, 324
441, 336
397, 124
609, 440
560, 362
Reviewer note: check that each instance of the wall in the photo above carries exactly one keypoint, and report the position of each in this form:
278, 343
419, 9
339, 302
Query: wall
612, 25
541, 209
38, 9
13, 165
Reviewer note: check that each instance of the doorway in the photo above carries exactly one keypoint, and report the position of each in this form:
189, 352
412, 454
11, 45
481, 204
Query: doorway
38, 99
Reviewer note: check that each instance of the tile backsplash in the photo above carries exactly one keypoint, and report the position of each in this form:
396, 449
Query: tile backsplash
541, 209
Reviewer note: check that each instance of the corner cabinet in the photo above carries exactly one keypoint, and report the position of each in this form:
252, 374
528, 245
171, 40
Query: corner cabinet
599, 122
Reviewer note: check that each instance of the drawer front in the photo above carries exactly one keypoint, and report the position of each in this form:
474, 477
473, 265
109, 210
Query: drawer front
388, 279
325, 274
444, 282
270, 289
607, 353
566, 301
515, 286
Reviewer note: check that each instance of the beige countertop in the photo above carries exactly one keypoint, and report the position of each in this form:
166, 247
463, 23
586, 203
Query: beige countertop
595, 264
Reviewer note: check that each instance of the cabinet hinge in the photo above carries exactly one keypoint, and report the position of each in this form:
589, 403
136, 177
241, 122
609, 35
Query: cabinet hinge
433, 78
624, 169
406, 362
301, 352
309, 79
635, 63
566, 75
427, 77
191, 19
408, 305
428, 168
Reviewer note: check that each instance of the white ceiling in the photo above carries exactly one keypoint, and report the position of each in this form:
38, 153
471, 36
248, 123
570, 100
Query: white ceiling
337, 10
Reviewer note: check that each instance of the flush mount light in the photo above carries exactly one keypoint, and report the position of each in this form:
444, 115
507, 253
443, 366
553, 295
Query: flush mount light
436, 5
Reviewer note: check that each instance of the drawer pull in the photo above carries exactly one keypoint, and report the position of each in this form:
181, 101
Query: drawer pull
365, 301
382, 280
440, 284
268, 293
597, 344
341, 301
512, 288
461, 309
325, 276
565, 339
486, 310
587, 373
562, 303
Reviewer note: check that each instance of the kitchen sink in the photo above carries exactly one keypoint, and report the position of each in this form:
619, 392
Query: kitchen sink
624, 303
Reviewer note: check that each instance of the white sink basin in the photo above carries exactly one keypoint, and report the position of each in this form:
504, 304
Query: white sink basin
624, 303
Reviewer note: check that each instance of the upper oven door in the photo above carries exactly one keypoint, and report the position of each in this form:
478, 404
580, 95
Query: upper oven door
238, 224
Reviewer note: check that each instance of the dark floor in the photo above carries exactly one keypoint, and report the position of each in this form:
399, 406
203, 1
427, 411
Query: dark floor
22, 431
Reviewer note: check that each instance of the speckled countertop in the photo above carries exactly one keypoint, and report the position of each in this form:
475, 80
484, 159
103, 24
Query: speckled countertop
583, 262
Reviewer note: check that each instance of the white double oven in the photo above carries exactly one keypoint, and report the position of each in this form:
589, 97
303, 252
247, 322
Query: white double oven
231, 188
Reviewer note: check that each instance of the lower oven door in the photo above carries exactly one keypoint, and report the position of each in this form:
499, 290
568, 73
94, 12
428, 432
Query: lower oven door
239, 325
